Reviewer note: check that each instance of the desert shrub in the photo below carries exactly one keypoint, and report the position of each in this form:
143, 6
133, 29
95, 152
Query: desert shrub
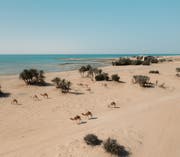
115, 77
33, 77
92, 140
154, 71
111, 146
146, 62
143, 81
90, 71
136, 62
84, 69
152, 59
102, 77
178, 69
122, 61
162, 60
63, 84
56, 81
3, 94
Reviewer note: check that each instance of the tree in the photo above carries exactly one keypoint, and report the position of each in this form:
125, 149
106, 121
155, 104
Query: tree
32, 77
115, 77
63, 84
57, 81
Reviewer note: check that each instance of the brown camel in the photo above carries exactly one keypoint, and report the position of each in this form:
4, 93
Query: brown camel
77, 118
88, 89
35, 97
14, 101
88, 114
112, 104
45, 95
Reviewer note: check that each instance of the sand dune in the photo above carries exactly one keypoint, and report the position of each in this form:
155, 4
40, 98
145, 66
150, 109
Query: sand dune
147, 122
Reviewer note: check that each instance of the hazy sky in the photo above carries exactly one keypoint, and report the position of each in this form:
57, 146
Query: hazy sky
91, 26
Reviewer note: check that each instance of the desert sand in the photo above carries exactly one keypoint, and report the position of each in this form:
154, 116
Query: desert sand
147, 122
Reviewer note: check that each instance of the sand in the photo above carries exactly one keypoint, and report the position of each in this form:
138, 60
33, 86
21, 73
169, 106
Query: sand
147, 122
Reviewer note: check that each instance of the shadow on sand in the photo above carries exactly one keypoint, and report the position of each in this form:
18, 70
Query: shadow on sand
4, 95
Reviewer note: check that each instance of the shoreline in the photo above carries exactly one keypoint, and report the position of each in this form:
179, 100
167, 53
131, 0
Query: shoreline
105, 60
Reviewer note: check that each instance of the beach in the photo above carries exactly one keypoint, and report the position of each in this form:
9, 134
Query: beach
146, 120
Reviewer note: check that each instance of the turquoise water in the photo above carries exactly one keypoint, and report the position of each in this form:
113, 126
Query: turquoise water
13, 64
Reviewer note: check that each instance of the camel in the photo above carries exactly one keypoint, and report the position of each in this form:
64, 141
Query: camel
77, 118
87, 114
88, 89
156, 82
112, 104
45, 95
14, 101
80, 84
35, 97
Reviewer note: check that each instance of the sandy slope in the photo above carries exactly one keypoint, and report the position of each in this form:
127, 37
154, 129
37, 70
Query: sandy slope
147, 122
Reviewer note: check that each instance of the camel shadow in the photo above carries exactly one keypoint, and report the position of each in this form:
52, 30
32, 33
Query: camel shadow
122, 82
82, 122
116, 107
18, 104
93, 118
76, 93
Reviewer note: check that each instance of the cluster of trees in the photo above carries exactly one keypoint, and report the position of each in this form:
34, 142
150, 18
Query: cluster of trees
89, 71
143, 81
110, 145
96, 73
62, 84
33, 77
138, 61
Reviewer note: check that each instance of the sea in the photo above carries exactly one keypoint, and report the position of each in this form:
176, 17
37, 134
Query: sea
14, 64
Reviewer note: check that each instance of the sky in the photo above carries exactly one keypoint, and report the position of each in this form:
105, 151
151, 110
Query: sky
89, 26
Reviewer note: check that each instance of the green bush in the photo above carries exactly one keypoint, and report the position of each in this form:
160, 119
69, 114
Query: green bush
178, 69
63, 84
146, 62
111, 146
115, 77
102, 77
92, 140
142, 80
33, 77
56, 81
2, 94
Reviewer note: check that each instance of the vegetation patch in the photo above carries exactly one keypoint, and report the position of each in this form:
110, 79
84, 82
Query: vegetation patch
3, 94
143, 81
33, 77
102, 77
140, 60
111, 146
115, 77
92, 140
63, 84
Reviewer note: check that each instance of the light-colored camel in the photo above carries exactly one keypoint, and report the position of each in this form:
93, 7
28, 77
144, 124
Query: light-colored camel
14, 101
88, 114
88, 89
35, 97
77, 118
45, 95
112, 104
